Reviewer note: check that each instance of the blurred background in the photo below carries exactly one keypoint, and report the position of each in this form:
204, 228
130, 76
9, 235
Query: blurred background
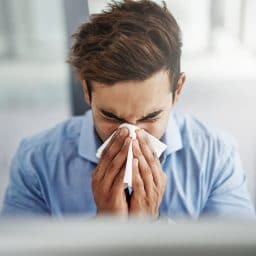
38, 89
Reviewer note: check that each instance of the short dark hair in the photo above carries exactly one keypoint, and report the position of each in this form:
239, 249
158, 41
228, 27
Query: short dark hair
130, 40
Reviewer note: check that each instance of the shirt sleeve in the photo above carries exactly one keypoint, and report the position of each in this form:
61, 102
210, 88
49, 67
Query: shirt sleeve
228, 196
23, 195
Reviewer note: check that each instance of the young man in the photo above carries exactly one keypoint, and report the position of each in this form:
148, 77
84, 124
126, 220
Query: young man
128, 60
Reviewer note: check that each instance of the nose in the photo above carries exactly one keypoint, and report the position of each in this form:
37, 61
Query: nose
132, 122
136, 123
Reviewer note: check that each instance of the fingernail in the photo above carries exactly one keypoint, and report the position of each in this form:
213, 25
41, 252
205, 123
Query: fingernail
121, 131
127, 140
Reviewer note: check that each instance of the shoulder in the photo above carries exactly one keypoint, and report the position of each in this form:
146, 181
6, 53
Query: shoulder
53, 140
207, 147
200, 134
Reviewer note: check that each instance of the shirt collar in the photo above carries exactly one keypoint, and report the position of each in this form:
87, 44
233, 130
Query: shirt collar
172, 136
89, 141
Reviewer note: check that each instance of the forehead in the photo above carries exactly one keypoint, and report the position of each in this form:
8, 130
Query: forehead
143, 96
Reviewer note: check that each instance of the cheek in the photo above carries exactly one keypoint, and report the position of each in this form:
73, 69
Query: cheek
156, 129
105, 128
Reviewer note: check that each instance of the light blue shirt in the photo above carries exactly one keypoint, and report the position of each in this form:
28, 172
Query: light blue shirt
51, 172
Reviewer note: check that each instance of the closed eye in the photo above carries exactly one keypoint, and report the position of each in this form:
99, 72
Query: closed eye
114, 119
152, 117
110, 116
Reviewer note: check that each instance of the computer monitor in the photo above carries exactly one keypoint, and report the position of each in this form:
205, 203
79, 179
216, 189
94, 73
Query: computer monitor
78, 236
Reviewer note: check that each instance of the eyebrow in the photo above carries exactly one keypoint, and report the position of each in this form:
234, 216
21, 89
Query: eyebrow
111, 115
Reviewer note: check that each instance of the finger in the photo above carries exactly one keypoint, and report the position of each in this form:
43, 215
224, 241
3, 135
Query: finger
146, 147
137, 182
117, 163
110, 152
115, 143
116, 134
98, 172
150, 156
144, 168
118, 183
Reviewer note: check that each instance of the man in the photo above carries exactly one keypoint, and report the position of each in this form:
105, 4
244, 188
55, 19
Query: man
128, 60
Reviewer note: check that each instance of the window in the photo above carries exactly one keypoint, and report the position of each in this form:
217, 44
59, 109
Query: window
33, 73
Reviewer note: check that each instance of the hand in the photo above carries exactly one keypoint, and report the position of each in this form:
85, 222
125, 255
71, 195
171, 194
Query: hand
107, 179
149, 180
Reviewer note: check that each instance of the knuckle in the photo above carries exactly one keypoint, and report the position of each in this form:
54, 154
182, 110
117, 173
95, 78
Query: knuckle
147, 172
151, 159
143, 143
155, 190
104, 191
108, 155
114, 164
139, 184
150, 177
156, 194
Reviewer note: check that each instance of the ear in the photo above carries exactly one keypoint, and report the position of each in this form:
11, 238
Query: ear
179, 87
86, 93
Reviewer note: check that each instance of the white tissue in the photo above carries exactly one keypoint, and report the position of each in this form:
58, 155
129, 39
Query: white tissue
157, 145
